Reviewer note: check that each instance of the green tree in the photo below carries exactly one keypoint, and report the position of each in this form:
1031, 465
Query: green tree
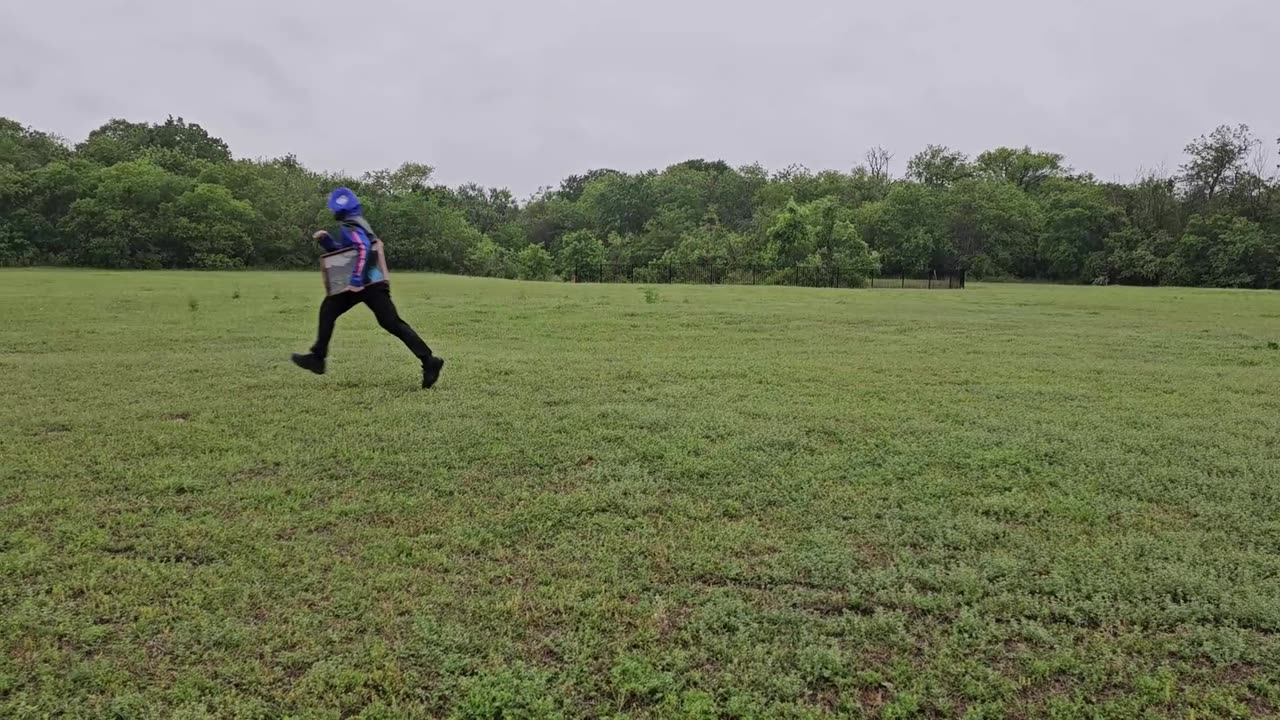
125, 221
489, 259
938, 166
410, 177
907, 229
286, 202
533, 263
1128, 256
209, 228
733, 193
53, 189
27, 149
422, 234
487, 209
707, 251
1151, 205
15, 225
188, 139
663, 232
580, 257
549, 217
1216, 162
618, 203
171, 195
682, 189
1222, 250
510, 235
790, 237
116, 141
838, 246
1077, 218
122, 141
1022, 167
992, 226
572, 187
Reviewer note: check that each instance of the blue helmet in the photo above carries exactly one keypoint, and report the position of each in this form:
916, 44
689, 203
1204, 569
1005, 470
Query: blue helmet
344, 202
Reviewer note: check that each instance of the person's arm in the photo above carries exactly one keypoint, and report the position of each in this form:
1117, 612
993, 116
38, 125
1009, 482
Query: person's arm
325, 240
379, 271
361, 243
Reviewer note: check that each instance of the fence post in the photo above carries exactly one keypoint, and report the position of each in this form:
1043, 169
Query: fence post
904, 278
930, 281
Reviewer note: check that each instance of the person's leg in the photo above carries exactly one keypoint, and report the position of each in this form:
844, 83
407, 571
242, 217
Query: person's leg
378, 298
330, 310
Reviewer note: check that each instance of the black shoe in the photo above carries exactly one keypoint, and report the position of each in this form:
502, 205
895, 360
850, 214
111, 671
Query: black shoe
310, 361
431, 368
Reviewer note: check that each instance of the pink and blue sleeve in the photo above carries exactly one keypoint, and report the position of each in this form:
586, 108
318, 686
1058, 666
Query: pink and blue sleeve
361, 243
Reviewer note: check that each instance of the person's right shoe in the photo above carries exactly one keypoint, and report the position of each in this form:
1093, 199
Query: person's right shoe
310, 361
431, 368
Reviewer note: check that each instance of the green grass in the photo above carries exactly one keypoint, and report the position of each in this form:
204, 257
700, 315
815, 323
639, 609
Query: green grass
698, 502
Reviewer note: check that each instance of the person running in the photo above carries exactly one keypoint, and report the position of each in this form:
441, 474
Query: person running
368, 285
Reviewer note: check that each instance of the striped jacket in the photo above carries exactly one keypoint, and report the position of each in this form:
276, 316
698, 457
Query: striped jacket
356, 232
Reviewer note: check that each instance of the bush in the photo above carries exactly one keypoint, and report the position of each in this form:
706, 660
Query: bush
215, 261
15, 249
533, 263
581, 256
488, 259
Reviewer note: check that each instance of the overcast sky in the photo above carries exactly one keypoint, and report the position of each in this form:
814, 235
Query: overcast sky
520, 93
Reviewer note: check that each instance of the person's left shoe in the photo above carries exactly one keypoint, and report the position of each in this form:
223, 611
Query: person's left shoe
431, 368
310, 361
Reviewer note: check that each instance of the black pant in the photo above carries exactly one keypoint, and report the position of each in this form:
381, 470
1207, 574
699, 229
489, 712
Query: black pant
378, 298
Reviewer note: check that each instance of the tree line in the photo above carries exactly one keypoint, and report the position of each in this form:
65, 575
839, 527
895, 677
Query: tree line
170, 195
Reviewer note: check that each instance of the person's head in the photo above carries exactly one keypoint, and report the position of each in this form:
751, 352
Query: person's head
344, 203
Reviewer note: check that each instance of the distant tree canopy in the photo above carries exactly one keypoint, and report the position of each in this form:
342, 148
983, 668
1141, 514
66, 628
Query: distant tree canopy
170, 195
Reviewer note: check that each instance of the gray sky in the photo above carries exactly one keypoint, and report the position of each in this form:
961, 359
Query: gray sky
523, 92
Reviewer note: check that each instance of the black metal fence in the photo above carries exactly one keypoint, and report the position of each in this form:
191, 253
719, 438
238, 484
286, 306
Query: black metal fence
800, 276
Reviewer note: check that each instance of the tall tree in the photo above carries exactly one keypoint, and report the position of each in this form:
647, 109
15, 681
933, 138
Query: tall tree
1022, 167
188, 139
408, 178
907, 229
939, 166
572, 187
170, 194
28, 149
210, 228
1216, 162
125, 222
878, 160
581, 256
1077, 219
992, 225
790, 237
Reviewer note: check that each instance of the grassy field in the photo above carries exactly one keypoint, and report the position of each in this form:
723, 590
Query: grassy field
690, 502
